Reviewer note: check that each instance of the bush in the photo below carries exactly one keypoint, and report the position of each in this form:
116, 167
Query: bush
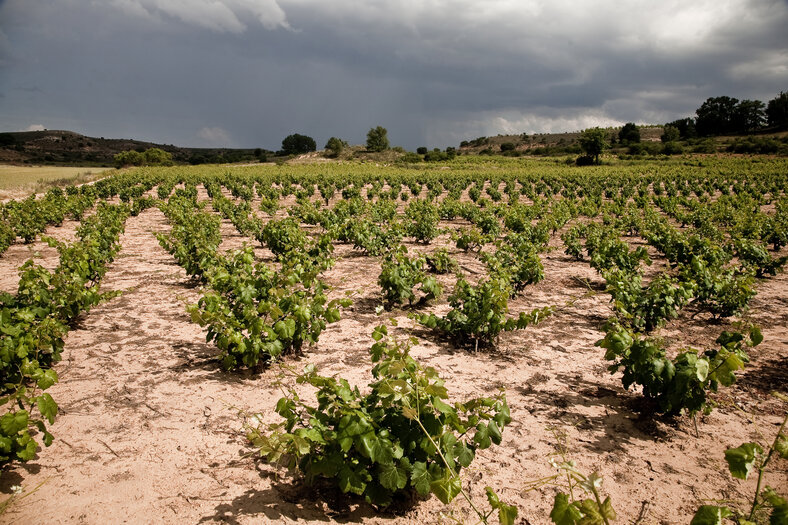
399, 276
629, 134
436, 155
128, 158
644, 148
411, 157
670, 134
150, 157
335, 146
672, 148
377, 139
157, 157
297, 144
422, 217
480, 313
400, 438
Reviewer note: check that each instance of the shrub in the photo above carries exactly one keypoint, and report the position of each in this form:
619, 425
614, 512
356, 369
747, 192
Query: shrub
400, 438
377, 139
297, 144
335, 146
400, 274
480, 313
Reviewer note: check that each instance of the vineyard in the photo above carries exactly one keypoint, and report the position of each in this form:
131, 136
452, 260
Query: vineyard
489, 340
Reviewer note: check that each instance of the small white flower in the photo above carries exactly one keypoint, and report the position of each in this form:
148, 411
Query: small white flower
17, 489
254, 420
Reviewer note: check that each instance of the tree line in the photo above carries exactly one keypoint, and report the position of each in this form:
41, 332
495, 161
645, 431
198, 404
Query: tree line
730, 116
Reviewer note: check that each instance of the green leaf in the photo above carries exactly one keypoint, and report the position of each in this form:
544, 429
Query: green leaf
492, 497
14, 422
593, 513
464, 454
756, 336
332, 315
442, 407
378, 450
446, 488
482, 436
702, 369
741, 459
563, 512
420, 478
781, 445
435, 390
506, 513
710, 515
779, 515
47, 407
47, 379
351, 481
328, 466
495, 432
410, 413
376, 494
392, 477
285, 329
28, 450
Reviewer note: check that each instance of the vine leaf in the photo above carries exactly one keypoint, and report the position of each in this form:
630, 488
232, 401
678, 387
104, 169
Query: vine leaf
741, 459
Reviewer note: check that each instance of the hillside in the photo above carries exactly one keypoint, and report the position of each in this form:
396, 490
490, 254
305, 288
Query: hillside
54, 147
528, 143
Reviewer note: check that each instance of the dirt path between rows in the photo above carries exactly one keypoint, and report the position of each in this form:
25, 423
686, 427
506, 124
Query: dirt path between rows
149, 429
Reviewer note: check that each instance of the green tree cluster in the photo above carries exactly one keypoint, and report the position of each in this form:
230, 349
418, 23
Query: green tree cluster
629, 134
150, 157
297, 144
335, 146
593, 143
377, 139
777, 111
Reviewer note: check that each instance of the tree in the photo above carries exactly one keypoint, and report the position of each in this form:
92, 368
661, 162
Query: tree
670, 134
377, 139
157, 157
335, 145
629, 134
422, 150
592, 142
686, 127
716, 116
749, 116
777, 111
297, 144
128, 158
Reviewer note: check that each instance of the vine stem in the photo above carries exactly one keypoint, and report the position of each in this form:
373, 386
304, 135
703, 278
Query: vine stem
453, 474
440, 452
599, 505
762, 469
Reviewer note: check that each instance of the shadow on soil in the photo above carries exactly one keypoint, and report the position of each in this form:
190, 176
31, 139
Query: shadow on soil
627, 419
296, 501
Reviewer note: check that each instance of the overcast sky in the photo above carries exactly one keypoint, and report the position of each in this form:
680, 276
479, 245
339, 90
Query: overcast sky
246, 73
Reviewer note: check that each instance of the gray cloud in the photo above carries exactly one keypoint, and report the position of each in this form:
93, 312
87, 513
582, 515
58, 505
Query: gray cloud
433, 72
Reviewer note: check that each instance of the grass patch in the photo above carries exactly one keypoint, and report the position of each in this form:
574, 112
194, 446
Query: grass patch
34, 179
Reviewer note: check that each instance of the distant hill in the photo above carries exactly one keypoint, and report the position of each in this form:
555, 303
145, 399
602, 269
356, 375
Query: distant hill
53, 147
532, 143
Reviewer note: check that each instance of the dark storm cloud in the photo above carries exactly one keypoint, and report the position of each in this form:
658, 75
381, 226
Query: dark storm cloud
249, 72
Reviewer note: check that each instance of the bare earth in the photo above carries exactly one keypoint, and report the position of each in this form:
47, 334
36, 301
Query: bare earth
150, 428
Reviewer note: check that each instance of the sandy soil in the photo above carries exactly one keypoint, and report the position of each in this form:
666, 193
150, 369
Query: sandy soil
150, 430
